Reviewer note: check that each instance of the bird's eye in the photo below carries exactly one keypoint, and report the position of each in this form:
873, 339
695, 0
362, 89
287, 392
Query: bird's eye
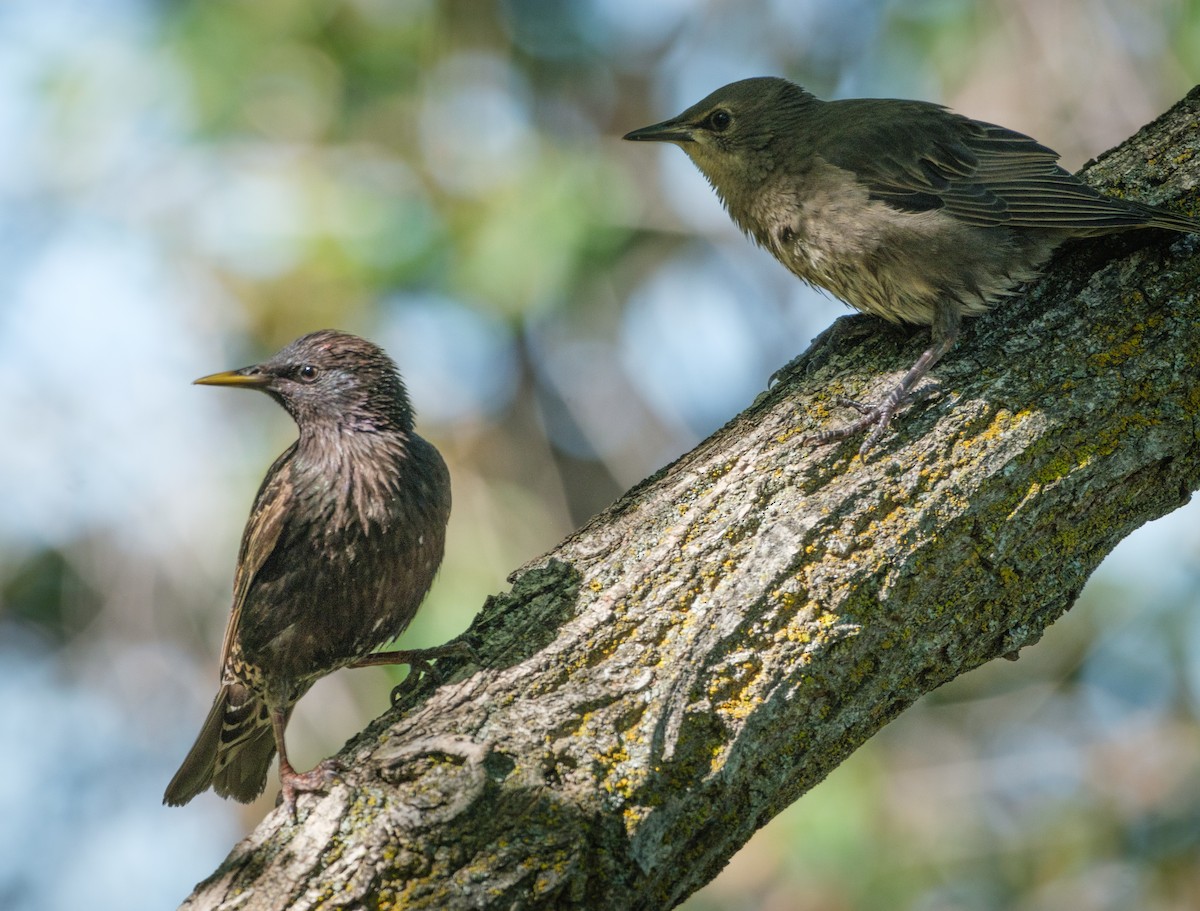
719, 121
308, 373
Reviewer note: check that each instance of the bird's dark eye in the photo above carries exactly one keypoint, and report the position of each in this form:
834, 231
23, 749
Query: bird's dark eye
719, 121
308, 373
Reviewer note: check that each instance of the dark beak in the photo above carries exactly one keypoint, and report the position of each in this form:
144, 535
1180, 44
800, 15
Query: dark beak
667, 131
249, 377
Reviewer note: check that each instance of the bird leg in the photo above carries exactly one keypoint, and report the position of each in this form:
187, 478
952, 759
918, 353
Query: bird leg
291, 782
419, 660
945, 333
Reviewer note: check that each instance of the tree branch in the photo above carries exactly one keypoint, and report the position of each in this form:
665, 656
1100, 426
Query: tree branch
707, 649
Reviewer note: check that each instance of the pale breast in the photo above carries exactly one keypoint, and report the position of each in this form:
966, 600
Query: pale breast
880, 260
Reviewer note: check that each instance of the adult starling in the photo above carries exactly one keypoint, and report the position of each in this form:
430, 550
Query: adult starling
902, 209
342, 544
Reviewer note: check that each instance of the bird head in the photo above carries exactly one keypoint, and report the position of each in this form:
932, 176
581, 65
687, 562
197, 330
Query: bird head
739, 133
328, 380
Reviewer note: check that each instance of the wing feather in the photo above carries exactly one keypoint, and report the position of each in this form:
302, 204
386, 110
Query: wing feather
920, 157
264, 529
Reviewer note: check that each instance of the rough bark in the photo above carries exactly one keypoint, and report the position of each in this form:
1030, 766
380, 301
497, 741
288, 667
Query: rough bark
711, 646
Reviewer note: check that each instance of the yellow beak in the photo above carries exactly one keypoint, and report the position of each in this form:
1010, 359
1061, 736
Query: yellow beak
250, 377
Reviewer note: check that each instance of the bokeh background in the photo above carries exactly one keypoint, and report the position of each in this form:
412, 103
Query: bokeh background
186, 186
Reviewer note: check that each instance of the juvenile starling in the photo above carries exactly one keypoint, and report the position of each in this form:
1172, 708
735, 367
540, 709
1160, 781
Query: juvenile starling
342, 544
900, 208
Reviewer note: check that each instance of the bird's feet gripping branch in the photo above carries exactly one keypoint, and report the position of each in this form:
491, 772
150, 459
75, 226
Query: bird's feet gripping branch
874, 419
420, 661
316, 780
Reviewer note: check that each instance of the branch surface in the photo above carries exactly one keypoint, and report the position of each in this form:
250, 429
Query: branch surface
711, 646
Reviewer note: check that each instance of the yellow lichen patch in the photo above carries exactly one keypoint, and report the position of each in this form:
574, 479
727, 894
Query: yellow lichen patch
584, 727
633, 816
740, 706
785, 601
1127, 340
607, 760
1079, 454
610, 775
798, 632
1119, 353
861, 671
333, 851
788, 434
1001, 427
1132, 297
685, 599
1191, 401
719, 471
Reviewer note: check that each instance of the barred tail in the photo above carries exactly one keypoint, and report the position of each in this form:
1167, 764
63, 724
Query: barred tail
233, 752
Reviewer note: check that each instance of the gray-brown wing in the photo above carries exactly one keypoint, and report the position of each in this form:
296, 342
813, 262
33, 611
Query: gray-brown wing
921, 157
268, 517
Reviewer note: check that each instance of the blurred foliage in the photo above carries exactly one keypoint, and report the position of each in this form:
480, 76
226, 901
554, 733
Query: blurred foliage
45, 593
422, 155
190, 185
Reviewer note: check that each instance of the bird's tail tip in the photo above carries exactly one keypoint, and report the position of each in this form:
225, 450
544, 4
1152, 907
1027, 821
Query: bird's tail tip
232, 753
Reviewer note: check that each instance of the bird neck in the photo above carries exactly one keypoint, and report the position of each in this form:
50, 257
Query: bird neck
741, 183
337, 444
356, 472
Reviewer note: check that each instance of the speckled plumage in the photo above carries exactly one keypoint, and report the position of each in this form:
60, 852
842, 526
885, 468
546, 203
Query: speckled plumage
902, 209
343, 542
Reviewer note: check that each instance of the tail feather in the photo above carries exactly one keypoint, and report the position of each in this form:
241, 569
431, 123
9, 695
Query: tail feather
232, 753
1164, 218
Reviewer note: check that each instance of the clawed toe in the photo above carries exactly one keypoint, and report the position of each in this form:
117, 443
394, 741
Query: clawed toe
875, 418
316, 780
420, 663
417, 668
784, 372
858, 406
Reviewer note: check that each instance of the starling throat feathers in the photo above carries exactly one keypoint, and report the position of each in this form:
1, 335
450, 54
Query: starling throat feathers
902, 209
344, 539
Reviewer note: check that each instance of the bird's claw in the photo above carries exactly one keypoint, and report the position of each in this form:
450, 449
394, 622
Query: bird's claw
856, 405
876, 417
315, 781
784, 372
420, 663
